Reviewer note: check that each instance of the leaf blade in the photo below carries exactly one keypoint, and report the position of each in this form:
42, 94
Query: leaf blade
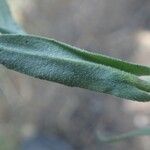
124, 136
7, 23
55, 61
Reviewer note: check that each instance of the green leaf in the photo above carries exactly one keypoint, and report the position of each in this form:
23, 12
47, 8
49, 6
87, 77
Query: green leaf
7, 23
117, 138
55, 61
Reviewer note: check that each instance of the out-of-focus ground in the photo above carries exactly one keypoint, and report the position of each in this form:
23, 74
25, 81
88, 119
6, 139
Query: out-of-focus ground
33, 111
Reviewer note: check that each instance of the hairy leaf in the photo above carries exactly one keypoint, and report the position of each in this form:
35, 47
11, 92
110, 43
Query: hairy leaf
7, 23
55, 61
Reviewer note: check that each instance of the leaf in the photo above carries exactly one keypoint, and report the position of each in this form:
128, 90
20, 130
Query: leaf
55, 61
7, 23
117, 138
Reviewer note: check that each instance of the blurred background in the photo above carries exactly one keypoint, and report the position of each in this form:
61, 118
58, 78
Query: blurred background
41, 115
